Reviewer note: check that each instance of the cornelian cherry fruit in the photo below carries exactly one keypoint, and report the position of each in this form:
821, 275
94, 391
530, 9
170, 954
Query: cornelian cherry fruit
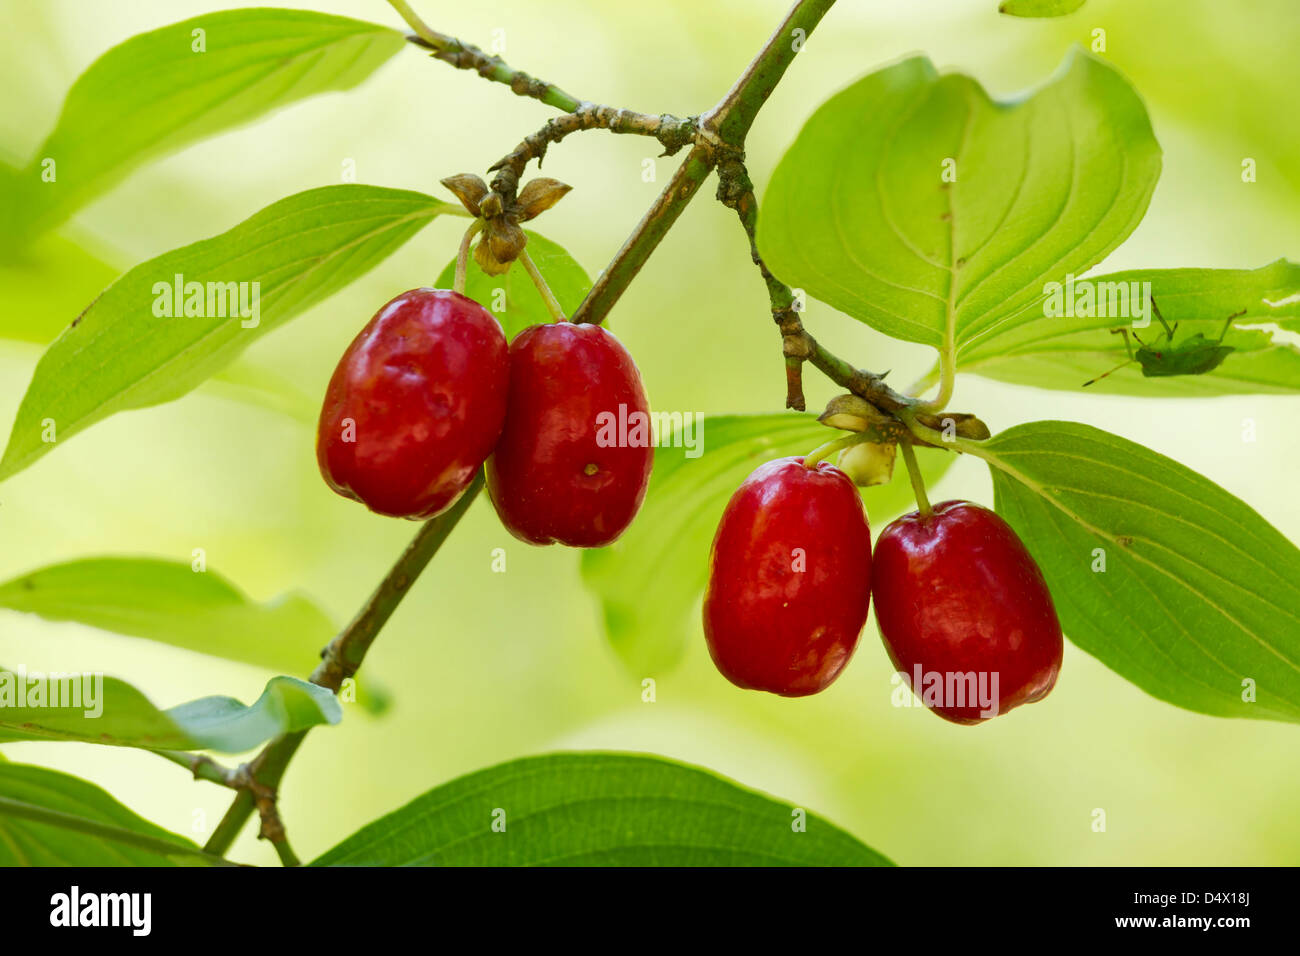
963, 608
415, 405
574, 458
789, 579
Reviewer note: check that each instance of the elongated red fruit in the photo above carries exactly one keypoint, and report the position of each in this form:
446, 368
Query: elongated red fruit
965, 613
789, 579
575, 455
415, 404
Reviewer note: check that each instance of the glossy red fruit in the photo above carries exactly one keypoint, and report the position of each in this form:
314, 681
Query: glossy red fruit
415, 404
575, 455
789, 579
961, 603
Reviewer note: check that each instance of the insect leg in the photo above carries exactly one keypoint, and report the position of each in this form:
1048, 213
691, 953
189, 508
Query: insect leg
1228, 323
1104, 374
1169, 333
1127, 345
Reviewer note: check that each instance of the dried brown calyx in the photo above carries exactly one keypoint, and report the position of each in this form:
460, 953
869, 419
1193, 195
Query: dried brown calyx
871, 460
503, 239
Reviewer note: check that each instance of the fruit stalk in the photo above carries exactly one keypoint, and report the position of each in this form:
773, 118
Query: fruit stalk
552, 303
822, 452
918, 483
462, 256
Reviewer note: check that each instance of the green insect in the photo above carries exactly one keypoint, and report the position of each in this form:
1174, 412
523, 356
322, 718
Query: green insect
1192, 356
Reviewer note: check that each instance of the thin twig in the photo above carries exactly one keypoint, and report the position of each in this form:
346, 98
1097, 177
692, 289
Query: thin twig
736, 191
725, 125
465, 56
240, 778
339, 661
672, 132
203, 767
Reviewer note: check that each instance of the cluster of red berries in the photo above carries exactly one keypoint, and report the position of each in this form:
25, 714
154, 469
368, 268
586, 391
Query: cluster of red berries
957, 594
429, 390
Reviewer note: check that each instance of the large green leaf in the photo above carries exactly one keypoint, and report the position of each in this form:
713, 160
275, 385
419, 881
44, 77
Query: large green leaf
83, 825
1199, 599
155, 93
1063, 352
120, 355
513, 298
169, 602
665, 553
859, 215
126, 718
49, 283
597, 809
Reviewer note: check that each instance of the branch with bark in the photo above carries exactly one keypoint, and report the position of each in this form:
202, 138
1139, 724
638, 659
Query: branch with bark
716, 139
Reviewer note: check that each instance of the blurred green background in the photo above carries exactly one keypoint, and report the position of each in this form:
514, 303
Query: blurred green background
485, 667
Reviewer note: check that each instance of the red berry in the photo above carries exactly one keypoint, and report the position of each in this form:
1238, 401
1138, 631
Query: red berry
789, 579
575, 455
415, 404
959, 597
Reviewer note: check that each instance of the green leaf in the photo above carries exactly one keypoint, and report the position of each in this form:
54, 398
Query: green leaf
120, 355
168, 602
154, 94
1199, 595
1063, 352
1039, 8
126, 718
81, 825
49, 284
858, 213
597, 809
512, 297
666, 550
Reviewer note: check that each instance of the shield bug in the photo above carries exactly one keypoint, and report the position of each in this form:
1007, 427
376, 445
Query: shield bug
1195, 355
